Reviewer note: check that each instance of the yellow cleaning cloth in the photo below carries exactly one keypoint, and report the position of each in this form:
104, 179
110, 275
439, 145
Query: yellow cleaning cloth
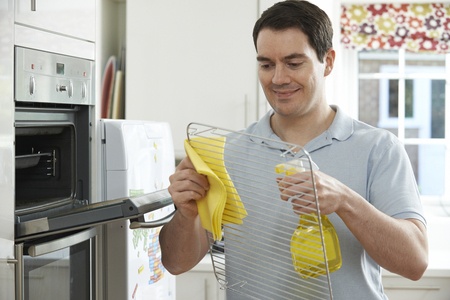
222, 203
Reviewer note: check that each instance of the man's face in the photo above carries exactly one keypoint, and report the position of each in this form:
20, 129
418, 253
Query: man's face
289, 71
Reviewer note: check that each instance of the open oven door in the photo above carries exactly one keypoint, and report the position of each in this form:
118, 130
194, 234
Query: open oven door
132, 208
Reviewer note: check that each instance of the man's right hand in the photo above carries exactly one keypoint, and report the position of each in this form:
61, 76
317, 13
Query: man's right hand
186, 187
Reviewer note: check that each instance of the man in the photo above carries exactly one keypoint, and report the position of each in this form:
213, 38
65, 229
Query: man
365, 183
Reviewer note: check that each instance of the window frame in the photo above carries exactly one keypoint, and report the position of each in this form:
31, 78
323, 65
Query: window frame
422, 78
350, 58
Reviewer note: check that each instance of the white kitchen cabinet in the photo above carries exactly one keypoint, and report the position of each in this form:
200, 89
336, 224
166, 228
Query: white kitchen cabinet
7, 150
200, 283
435, 284
72, 18
58, 26
191, 61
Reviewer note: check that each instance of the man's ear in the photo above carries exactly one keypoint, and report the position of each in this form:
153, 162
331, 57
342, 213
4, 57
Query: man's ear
329, 61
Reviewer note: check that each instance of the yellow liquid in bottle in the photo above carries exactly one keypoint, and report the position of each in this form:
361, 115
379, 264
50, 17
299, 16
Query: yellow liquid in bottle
306, 247
306, 243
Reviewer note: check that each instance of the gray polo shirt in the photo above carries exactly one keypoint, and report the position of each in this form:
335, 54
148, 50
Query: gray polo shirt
369, 160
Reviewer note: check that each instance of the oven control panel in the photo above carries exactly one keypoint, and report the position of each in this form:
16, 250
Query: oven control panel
52, 78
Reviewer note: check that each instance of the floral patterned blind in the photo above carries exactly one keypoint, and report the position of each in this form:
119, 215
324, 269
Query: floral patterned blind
414, 27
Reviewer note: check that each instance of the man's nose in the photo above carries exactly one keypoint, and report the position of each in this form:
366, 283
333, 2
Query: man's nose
281, 75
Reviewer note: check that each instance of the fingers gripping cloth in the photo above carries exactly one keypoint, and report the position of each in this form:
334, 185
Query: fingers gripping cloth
222, 204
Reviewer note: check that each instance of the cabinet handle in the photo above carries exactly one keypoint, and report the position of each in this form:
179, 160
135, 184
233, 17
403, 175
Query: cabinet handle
410, 288
12, 261
33, 5
19, 272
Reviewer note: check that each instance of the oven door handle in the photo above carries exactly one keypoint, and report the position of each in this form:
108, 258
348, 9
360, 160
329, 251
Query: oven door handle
61, 243
137, 223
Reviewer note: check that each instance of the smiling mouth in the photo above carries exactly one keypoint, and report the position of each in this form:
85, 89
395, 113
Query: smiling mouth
284, 93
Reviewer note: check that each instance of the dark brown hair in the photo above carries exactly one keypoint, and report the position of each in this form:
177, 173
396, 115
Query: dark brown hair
303, 15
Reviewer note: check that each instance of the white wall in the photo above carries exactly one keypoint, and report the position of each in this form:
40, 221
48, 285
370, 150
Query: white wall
191, 61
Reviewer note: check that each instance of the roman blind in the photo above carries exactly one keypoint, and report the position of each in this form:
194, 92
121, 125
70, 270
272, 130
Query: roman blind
415, 27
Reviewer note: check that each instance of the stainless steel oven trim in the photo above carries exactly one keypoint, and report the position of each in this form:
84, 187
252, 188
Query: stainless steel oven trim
23, 115
61, 243
37, 78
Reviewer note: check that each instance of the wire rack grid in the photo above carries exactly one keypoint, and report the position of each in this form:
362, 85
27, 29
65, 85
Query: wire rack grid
254, 258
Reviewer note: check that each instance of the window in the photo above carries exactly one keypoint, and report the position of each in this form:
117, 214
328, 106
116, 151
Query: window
399, 55
406, 94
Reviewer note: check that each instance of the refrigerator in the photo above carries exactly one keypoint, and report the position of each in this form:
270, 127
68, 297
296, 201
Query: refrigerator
137, 158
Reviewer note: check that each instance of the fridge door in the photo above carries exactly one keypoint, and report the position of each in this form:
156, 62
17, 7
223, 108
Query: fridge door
138, 159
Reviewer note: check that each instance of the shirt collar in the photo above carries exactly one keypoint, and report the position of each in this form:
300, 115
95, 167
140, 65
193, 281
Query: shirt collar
263, 133
340, 129
342, 126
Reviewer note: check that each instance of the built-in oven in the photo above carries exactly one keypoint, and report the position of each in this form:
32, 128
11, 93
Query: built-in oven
56, 217
53, 113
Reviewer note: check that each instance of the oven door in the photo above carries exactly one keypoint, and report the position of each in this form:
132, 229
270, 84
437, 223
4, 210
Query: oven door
61, 267
132, 208
55, 255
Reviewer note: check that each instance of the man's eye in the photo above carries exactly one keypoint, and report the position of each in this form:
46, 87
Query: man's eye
265, 66
294, 65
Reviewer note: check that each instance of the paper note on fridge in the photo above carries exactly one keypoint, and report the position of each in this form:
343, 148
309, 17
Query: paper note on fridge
222, 203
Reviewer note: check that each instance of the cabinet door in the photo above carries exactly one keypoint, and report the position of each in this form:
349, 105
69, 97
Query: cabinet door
191, 61
198, 285
6, 151
428, 287
72, 18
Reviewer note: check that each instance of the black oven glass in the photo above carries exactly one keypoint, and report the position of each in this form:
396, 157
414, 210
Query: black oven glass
63, 274
45, 165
